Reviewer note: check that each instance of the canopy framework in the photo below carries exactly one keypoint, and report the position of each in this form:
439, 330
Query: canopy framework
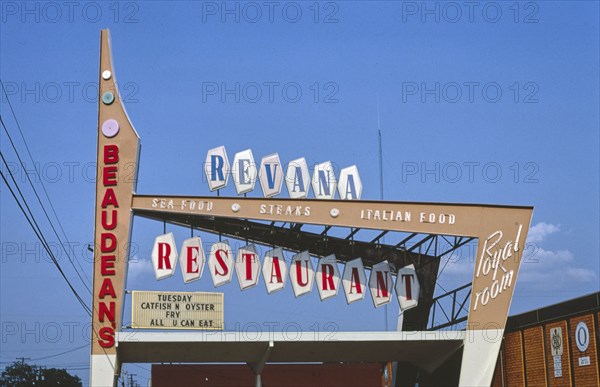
418, 249
424, 251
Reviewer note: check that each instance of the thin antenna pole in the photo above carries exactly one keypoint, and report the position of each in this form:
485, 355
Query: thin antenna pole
380, 153
385, 309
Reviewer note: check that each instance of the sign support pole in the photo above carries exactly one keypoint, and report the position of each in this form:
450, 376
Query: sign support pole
117, 163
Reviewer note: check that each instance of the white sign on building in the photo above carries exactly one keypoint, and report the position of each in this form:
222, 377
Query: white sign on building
556, 341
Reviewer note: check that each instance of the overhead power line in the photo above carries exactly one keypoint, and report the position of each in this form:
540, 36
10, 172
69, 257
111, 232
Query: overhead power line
39, 200
42, 239
45, 191
61, 353
41, 204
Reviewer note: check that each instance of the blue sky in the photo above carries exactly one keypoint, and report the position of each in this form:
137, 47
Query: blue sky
506, 91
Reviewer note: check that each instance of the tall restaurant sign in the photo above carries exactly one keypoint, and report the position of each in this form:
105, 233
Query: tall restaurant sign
117, 158
500, 232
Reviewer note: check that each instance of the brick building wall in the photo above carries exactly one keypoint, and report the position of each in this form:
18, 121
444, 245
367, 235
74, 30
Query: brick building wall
535, 356
513, 365
526, 357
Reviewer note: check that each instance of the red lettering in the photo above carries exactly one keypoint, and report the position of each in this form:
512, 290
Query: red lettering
164, 253
110, 199
249, 257
382, 283
107, 265
109, 175
113, 223
299, 273
107, 337
355, 281
221, 261
106, 311
192, 259
408, 285
327, 277
276, 271
108, 242
111, 154
107, 289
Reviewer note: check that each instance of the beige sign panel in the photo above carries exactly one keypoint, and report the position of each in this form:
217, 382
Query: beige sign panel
177, 310
117, 161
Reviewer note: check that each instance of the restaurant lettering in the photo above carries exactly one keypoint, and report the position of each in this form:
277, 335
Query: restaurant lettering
277, 270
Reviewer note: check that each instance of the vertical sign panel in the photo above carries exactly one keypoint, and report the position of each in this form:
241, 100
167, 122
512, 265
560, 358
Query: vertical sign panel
117, 160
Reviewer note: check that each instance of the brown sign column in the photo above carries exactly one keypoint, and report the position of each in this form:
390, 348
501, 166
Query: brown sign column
117, 165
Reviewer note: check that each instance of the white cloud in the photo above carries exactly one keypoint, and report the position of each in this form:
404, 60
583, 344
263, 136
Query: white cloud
550, 267
540, 231
540, 267
140, 268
